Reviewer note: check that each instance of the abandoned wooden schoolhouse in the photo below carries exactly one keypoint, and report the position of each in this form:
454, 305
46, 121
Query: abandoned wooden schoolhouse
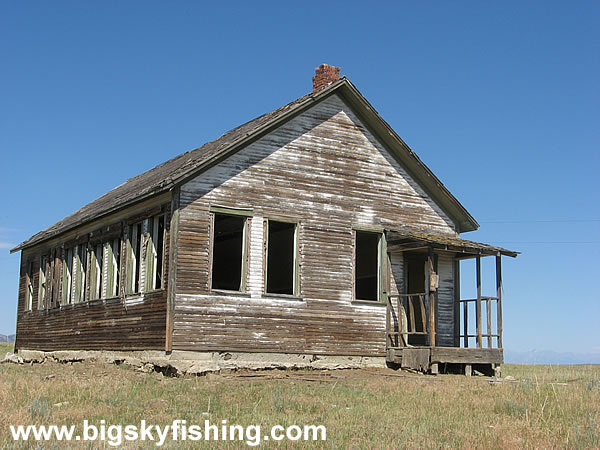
312, 233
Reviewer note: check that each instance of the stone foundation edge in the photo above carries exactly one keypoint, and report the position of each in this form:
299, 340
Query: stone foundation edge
199, 363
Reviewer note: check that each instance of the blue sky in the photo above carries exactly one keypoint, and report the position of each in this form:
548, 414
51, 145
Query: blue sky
499, 99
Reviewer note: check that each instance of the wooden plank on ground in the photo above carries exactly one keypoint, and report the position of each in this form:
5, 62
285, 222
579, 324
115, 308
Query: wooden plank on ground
467, 355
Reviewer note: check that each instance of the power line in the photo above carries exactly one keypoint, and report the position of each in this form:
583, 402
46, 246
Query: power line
542, 221
547, 242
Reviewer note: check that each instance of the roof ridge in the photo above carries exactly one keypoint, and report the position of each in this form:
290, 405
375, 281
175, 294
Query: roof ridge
163, 181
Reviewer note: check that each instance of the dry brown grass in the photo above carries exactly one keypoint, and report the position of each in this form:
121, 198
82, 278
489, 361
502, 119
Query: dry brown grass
549, 406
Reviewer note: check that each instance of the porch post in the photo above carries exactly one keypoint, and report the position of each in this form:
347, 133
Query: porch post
456, 274
478, 305
499, 295
432, 297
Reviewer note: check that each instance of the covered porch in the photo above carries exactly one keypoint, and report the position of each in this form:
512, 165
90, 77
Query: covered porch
417, 312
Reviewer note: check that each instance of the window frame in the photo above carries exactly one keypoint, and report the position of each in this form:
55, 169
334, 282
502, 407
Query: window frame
296, 265
28, 307
43, 282
382, 266
112, 268
152, 252
67, 276
96, 270
80, 267
246, 214
133, 272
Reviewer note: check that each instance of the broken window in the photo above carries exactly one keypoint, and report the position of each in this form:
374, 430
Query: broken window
43, 280
29, 287
80, 273
367, 266
112, 271
281, 258
67, 273
228, 251
55, 277
134, 258
96, 273
154, 255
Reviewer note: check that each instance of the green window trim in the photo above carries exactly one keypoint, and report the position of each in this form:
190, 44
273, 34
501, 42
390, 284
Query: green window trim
155, 245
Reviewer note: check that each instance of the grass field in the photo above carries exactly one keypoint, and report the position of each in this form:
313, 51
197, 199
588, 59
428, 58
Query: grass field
544, 407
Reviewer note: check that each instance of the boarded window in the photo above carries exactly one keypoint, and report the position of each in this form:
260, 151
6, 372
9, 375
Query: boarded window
42, 290
228, 252
154, 256
366, 270
134, 261
281, 258
29, 287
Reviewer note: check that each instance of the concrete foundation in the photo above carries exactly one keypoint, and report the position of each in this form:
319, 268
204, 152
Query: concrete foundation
200, 363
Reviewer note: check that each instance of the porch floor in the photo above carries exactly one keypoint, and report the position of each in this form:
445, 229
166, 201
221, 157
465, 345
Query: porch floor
432, 359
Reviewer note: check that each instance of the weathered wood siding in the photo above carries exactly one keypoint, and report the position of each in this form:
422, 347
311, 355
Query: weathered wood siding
134, 322
445, 300
324, 170
398, 284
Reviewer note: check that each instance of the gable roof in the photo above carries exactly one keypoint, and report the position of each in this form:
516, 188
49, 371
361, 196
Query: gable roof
179, 169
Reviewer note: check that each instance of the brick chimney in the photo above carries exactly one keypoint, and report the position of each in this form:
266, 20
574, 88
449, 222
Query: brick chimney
324, 76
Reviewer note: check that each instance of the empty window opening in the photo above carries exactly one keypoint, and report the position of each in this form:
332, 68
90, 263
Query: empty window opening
67, 273
43, 280
29, 287
228, 252
154, 257
96, 272
134, 246
80, 273
281, 258
112, 271
366, 272
55, 275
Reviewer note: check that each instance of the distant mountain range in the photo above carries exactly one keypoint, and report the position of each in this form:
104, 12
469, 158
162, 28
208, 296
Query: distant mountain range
7, 339
550, 357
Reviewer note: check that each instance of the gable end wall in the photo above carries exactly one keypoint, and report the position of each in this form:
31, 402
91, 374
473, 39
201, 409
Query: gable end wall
324, 170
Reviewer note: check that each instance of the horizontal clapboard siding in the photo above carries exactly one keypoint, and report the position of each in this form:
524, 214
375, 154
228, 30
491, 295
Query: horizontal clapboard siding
129, 323
103, 326
324, 170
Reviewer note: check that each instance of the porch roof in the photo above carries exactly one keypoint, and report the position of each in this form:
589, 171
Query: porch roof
407, 239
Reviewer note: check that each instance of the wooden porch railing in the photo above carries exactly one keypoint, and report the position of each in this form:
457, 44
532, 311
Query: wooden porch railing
479, 335
488, 302
410, 315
